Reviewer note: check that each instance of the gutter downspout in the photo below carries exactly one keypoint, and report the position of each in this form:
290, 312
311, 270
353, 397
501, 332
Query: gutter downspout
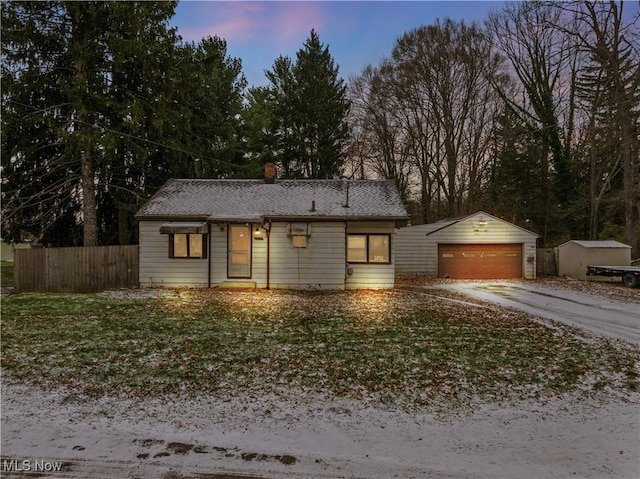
269, 256
209, 255
346, 250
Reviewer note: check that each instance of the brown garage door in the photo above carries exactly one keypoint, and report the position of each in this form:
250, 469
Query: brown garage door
480, 261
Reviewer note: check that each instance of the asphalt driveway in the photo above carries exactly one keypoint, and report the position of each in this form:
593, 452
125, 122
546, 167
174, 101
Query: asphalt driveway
620, 320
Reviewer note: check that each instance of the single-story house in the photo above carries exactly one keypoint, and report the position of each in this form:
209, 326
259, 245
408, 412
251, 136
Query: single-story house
272, 233
478, 246
574, 256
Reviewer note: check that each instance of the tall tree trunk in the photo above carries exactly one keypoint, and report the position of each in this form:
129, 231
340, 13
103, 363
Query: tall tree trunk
425, 198
594, 198
81, 93
612, 51
89, 212
631, 186
124, 230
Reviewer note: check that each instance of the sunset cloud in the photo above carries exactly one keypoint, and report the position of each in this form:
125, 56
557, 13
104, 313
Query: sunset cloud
357, 33
248, 22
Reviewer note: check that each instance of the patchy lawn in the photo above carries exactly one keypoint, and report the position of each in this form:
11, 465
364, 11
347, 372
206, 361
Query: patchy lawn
400, 347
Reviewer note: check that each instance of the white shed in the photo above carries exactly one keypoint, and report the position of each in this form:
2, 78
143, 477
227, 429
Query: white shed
478, 246
574, 256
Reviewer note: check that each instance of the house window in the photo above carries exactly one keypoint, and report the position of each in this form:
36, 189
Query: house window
378, 248
356, 248
187, 245
368, 248
239, 257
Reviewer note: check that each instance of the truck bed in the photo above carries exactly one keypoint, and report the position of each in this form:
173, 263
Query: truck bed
611, 270
630, 274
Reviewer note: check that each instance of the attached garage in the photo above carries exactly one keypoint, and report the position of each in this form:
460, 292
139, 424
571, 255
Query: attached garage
479, 246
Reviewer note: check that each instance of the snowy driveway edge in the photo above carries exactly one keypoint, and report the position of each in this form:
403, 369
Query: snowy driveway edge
619, 320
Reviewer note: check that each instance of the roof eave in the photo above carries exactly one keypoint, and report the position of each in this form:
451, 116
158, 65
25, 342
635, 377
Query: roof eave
147, 217
336, 218
259, 219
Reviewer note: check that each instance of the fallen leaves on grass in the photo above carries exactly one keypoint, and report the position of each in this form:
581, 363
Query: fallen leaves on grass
398, 347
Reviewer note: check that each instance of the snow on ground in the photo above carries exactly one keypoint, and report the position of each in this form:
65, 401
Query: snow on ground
143, 293
302, 435
307, 436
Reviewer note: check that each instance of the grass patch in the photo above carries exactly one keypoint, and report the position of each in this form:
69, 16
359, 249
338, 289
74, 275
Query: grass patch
397, 347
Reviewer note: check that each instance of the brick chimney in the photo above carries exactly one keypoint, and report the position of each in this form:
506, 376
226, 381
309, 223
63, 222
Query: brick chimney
270, 173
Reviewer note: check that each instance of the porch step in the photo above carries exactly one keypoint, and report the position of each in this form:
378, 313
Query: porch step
237, 285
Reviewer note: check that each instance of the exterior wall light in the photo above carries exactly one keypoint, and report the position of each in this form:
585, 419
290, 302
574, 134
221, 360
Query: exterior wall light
480, 225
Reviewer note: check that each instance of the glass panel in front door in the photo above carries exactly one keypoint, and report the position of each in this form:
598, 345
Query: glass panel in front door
239, 251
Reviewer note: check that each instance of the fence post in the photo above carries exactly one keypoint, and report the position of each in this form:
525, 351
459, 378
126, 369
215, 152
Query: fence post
47, 269
16, 271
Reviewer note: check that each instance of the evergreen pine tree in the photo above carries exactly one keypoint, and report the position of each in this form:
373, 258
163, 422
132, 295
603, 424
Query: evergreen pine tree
310, 106
102, 103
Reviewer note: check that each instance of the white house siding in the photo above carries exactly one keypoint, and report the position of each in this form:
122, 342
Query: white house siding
157, 269
321, 265
417, 251
371, 276
415, 254
218, 252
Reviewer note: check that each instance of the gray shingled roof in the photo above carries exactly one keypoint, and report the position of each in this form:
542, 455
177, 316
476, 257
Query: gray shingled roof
255, 200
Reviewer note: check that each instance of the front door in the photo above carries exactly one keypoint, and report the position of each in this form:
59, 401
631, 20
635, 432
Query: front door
239, 254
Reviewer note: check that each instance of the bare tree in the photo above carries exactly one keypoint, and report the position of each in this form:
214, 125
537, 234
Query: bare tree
381, 142
424, 116
610, 90
544, 60
443, 72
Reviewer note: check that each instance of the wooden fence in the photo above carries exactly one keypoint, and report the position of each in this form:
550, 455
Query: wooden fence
546, 262
80, 270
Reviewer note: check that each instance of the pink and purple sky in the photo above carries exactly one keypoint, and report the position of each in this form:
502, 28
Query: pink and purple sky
357, 33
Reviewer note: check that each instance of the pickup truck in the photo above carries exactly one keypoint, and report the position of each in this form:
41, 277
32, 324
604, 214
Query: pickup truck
630, 274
